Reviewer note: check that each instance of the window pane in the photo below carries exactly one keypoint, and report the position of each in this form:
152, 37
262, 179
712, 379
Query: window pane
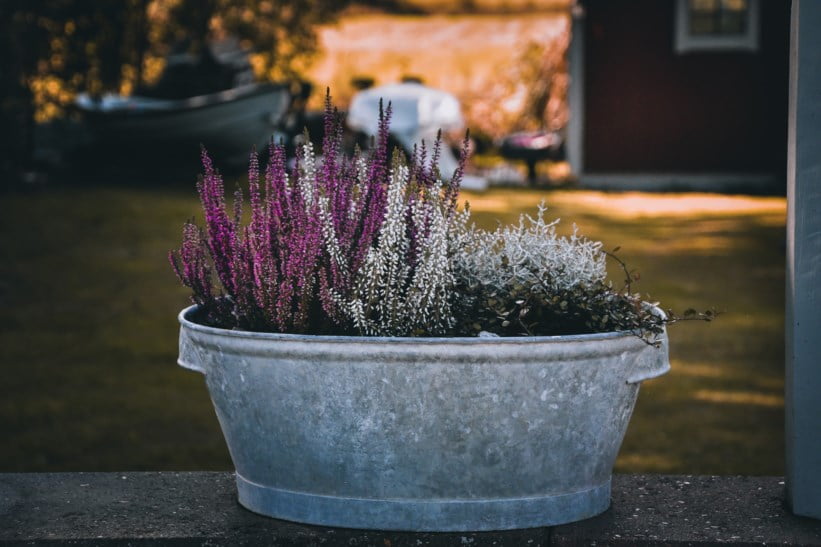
717, 17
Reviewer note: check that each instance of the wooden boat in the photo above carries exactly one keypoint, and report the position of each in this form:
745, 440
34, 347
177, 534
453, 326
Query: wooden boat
228, 122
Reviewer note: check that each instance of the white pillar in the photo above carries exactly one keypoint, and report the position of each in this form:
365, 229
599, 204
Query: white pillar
575, 125
803, 313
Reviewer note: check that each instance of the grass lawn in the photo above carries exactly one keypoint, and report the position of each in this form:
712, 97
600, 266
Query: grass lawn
89, 332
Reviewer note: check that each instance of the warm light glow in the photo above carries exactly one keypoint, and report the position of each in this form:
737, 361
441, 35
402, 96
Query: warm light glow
654, 463
715, 217
639, 204
739, 398
478, 58
631, 205
153, 67
257, 61
699, 370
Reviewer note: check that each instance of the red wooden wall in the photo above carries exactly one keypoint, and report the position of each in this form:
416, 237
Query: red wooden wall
648, 109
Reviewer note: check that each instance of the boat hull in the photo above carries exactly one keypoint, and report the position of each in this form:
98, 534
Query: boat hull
227, 123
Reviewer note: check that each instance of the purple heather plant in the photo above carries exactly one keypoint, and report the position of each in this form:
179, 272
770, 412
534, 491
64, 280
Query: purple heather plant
297, 265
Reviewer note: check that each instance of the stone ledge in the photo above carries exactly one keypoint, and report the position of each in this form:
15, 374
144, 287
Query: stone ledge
199, 508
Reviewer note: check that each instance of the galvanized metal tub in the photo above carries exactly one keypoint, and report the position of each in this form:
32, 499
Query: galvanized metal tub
422, 434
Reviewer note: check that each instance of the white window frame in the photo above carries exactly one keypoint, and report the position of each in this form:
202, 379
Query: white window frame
686, 42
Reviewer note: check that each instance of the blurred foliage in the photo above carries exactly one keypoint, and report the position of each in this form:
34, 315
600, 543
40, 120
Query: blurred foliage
280, 32
52, 49
66, 46
509, 72
527, 94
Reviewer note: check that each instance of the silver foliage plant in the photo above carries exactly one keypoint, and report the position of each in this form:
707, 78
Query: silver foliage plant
531, 255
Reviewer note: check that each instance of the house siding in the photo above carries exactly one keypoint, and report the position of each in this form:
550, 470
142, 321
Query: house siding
648, 109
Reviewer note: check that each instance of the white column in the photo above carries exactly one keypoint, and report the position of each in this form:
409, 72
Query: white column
803, 313
575, 125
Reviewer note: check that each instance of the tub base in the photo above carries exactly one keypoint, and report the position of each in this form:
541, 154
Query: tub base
413, 515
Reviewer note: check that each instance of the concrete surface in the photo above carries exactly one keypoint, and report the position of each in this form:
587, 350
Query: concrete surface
199, 508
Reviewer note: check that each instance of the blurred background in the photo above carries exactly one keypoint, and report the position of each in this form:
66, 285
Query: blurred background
655, 125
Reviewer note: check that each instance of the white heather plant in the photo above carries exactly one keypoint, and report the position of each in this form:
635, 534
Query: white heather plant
406, 283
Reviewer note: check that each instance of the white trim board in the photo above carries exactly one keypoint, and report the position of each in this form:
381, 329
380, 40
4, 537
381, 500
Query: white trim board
802, 405
574, 145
